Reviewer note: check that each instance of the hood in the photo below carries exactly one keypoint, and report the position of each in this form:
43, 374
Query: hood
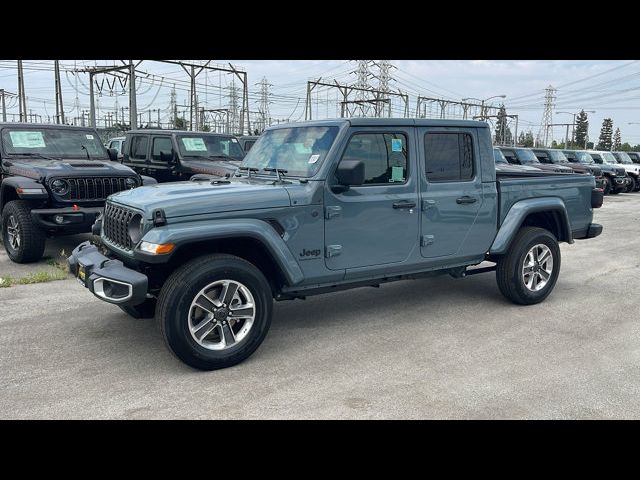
215, 167
179, 199
37, 168
631, 168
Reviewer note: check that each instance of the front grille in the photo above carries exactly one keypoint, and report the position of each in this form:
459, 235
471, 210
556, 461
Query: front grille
115, 225
93, 188
620, 172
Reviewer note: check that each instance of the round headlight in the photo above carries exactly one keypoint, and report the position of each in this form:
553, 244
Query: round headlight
60, 186
130, 183
135, 228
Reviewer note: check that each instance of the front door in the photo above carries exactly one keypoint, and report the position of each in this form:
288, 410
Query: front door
375, 223
452, 196
159, 168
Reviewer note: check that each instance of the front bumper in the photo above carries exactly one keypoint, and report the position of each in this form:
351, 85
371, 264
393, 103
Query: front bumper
68, 219
108, 279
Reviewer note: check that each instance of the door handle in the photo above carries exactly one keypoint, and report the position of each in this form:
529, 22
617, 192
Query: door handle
404, 204
466, 199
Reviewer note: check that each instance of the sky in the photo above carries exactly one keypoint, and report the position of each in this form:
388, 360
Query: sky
608, 87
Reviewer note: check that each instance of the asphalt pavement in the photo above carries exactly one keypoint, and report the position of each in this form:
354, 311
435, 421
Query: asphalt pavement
430, 348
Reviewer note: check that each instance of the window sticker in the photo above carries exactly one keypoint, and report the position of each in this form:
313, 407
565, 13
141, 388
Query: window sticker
234, 140
313, 158
194, 144
397, 174
27, 139
89, 137
396, 144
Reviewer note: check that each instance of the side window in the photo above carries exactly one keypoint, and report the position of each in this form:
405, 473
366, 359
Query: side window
510, 156
384, 156
160, 144
139, 148
248, 144
449, 157
542, 157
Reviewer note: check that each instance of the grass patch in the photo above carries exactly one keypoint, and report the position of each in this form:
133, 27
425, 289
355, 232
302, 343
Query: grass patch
38, 277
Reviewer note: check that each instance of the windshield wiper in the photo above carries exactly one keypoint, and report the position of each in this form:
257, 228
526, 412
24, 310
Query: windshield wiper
249, 170
279, 171
31, 154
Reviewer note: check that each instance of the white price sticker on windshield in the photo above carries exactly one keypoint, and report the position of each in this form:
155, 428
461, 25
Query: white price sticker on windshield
194, 144
234, 140
89, 137
21, 139
314, 158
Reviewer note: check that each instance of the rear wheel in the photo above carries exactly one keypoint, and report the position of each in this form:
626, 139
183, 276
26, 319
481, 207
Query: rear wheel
215, 311
23, 240
528, 272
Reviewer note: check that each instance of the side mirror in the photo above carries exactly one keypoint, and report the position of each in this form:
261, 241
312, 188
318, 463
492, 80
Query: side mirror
113, 154
167, 157
349, 173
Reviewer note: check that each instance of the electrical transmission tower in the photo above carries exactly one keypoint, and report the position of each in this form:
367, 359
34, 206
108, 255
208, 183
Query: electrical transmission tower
363, 75
233, 107
173, 108
384, 80
544, 133
263, 109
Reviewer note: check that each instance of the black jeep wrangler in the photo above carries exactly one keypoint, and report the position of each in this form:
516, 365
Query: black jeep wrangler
54, 180
173, 155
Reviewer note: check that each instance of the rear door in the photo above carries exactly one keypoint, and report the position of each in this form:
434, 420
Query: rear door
160, 169
453, 196
375, 223
137, 153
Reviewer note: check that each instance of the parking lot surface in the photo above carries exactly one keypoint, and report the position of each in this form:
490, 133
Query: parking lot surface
430, 348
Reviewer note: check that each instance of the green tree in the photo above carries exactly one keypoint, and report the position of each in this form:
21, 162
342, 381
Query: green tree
554, 144
206, 128
617, 140
181, 123
605, 142
625, 147
528, 139
521, 139
503, 132
590, 145
582, 129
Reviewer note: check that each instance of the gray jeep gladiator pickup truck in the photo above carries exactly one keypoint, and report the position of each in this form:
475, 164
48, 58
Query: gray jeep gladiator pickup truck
323, 206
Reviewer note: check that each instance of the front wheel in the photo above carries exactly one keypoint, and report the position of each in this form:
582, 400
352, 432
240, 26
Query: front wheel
23, 240
606, 186
632, 185
527, 273
215, 311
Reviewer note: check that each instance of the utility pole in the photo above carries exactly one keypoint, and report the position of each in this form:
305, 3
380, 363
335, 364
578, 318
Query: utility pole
4, 105
92, 102
133, 108
58, 88
566, 136
22, 99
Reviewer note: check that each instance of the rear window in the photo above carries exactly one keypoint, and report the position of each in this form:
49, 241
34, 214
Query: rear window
448, 157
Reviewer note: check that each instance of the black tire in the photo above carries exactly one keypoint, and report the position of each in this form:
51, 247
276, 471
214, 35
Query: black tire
181, 288
31, 237
606, 186
615, 191
147, 309
510, 266
632, 185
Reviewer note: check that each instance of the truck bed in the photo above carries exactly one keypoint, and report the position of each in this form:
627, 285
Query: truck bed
573, 189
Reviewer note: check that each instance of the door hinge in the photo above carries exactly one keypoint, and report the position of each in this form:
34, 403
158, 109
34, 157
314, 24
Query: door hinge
427, 204
332, 211
426, 240
332, 251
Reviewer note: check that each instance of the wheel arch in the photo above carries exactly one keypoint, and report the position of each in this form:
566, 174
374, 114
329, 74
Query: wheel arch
549, 213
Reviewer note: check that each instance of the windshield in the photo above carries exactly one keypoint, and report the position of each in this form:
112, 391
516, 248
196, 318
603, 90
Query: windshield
498, 156
527, 156
53, 142
298, 150
210, 147
623, 157
584, 157
558, 157
609, 158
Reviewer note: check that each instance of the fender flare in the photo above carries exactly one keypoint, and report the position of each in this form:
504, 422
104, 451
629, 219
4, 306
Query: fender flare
517, 214
196, 231
15, 182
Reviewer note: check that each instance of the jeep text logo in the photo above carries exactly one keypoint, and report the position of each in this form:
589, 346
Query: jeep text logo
309, 253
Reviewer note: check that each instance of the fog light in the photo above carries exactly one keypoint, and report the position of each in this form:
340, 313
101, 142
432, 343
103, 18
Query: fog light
59, 219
